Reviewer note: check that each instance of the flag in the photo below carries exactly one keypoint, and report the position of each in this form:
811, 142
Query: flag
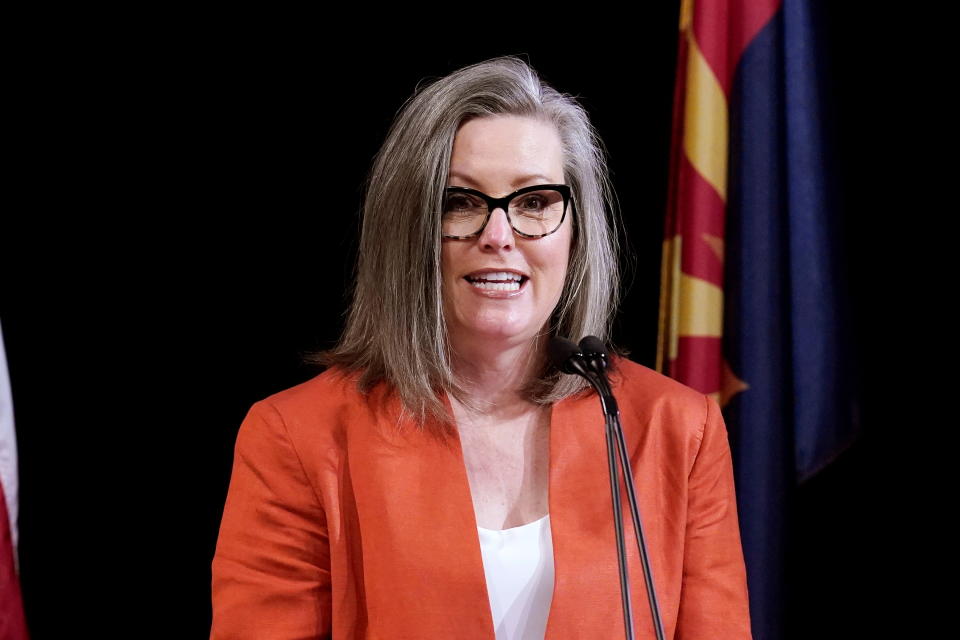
12, 622
753, 307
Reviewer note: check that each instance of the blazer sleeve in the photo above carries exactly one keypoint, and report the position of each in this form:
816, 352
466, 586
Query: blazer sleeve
271, 568
713, 598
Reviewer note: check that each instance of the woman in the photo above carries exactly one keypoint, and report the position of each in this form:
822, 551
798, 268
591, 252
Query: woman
439, 479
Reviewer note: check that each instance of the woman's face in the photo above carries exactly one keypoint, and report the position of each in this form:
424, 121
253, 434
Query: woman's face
498, 155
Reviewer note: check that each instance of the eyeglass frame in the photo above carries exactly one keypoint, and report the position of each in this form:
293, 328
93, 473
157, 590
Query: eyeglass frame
504, 203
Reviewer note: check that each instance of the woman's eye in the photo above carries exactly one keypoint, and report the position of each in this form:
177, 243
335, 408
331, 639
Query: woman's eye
534, 204
457, 203
463, 205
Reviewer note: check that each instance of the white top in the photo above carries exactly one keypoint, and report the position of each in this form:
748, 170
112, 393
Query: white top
518, 564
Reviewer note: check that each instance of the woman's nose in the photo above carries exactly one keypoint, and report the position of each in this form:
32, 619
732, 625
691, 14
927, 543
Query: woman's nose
498, 233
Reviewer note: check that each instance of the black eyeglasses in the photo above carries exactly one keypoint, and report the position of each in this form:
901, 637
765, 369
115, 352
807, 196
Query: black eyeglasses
533, 212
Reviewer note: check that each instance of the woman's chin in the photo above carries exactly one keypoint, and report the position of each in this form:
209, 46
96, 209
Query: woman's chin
492, 334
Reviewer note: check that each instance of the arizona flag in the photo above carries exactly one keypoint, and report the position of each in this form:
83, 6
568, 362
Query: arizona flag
12, 623
752, 307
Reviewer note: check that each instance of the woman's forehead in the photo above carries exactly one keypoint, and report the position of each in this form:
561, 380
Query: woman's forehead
508, 151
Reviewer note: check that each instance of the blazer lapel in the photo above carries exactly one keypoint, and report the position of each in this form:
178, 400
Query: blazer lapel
584, 550
586, 598
422, 567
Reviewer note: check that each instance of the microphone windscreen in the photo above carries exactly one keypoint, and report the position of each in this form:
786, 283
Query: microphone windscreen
593, 344
560, 350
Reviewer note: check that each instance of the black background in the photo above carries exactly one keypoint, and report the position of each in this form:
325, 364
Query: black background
187, 229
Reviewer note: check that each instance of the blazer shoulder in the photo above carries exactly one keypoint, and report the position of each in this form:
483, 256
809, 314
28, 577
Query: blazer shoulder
632, 378
653, 395
327, 399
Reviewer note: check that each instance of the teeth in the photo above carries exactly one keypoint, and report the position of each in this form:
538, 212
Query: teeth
496, 286
497, 276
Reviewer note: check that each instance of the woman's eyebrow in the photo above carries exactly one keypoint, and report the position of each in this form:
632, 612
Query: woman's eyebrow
515, 184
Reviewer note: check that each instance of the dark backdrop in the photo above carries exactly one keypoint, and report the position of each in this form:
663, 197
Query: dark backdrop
190, 229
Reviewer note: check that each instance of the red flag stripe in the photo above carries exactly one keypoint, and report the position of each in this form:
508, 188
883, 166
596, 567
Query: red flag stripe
723, 38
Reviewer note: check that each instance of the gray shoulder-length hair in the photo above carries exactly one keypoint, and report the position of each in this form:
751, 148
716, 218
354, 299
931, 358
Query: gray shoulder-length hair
395, 329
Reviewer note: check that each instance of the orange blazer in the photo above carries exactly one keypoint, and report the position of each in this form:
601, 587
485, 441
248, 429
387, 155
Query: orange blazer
342, 520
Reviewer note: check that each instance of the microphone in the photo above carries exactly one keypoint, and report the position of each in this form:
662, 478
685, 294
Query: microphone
588, 360
570, 358
566, 356
595, 352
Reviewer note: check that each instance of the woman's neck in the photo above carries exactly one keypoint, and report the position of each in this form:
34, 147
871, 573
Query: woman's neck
494, 379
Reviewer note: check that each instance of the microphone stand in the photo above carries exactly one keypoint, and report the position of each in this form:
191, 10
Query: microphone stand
589, 361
